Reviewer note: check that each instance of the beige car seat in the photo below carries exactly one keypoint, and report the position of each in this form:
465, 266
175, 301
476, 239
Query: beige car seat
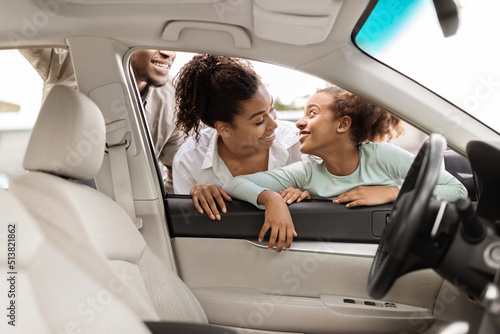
48, 291
67, 144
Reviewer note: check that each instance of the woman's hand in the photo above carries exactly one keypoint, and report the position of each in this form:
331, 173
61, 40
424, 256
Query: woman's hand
291, 195
278, 219
368, 195
204, 193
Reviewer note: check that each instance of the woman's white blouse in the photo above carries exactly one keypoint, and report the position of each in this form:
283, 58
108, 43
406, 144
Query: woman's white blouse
200, 162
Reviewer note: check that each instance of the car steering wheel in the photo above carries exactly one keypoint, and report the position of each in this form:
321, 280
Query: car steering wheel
406, 216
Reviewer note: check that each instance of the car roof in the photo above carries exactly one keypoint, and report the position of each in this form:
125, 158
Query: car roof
244, 28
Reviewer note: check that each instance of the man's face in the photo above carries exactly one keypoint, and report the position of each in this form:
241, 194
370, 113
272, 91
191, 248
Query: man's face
151, 67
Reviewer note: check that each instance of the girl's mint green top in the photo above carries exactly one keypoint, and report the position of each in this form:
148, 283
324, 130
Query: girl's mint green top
381, 164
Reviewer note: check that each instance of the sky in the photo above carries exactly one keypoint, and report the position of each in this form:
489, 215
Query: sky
22, 85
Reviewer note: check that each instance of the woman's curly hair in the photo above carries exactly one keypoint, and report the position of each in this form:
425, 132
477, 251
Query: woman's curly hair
369, 122
211, 88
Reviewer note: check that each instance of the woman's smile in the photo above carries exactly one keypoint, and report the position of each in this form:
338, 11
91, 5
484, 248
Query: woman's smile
268, 138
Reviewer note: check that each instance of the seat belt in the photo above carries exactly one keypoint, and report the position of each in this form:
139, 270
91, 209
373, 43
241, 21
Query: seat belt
122, 185
111, 99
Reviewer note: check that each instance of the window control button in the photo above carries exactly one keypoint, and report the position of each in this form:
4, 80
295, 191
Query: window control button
369, 303
349, 301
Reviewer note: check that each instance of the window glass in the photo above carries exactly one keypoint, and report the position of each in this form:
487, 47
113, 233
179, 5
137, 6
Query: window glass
463, 68
20, 99
290, 90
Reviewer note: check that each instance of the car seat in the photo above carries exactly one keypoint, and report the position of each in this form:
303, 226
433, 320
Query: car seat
48, 291
50, 288
67, 144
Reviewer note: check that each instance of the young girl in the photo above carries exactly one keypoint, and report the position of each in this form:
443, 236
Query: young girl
242, 137
338, 130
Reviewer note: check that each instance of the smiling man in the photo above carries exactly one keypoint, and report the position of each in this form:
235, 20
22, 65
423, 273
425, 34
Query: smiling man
151, 67
151, 71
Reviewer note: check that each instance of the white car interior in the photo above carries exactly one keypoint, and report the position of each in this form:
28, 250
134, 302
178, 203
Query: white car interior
80, 215
75, 239
52, 263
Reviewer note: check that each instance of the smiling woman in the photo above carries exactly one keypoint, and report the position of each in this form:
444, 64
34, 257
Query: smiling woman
243, 137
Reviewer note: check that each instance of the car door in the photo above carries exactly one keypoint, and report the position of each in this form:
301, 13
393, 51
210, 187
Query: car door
318, 286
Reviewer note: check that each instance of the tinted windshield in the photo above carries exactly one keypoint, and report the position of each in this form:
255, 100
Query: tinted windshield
463, 68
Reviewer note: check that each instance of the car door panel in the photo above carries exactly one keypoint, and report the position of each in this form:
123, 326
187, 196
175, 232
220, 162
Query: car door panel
239, 282
316, 220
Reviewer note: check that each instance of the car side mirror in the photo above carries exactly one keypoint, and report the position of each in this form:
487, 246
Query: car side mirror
447, 13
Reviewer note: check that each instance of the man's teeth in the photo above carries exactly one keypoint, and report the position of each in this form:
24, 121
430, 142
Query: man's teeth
161, 65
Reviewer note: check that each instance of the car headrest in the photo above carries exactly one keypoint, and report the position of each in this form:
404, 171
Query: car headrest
69, 136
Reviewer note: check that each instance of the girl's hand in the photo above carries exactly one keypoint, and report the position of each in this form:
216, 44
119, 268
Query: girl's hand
291, 195
204, 193
278, 219
368, 195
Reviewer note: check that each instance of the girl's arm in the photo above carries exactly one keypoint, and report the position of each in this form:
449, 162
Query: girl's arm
368, 196
260, 190
399, 161
278, 220
249, 187
449, 188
